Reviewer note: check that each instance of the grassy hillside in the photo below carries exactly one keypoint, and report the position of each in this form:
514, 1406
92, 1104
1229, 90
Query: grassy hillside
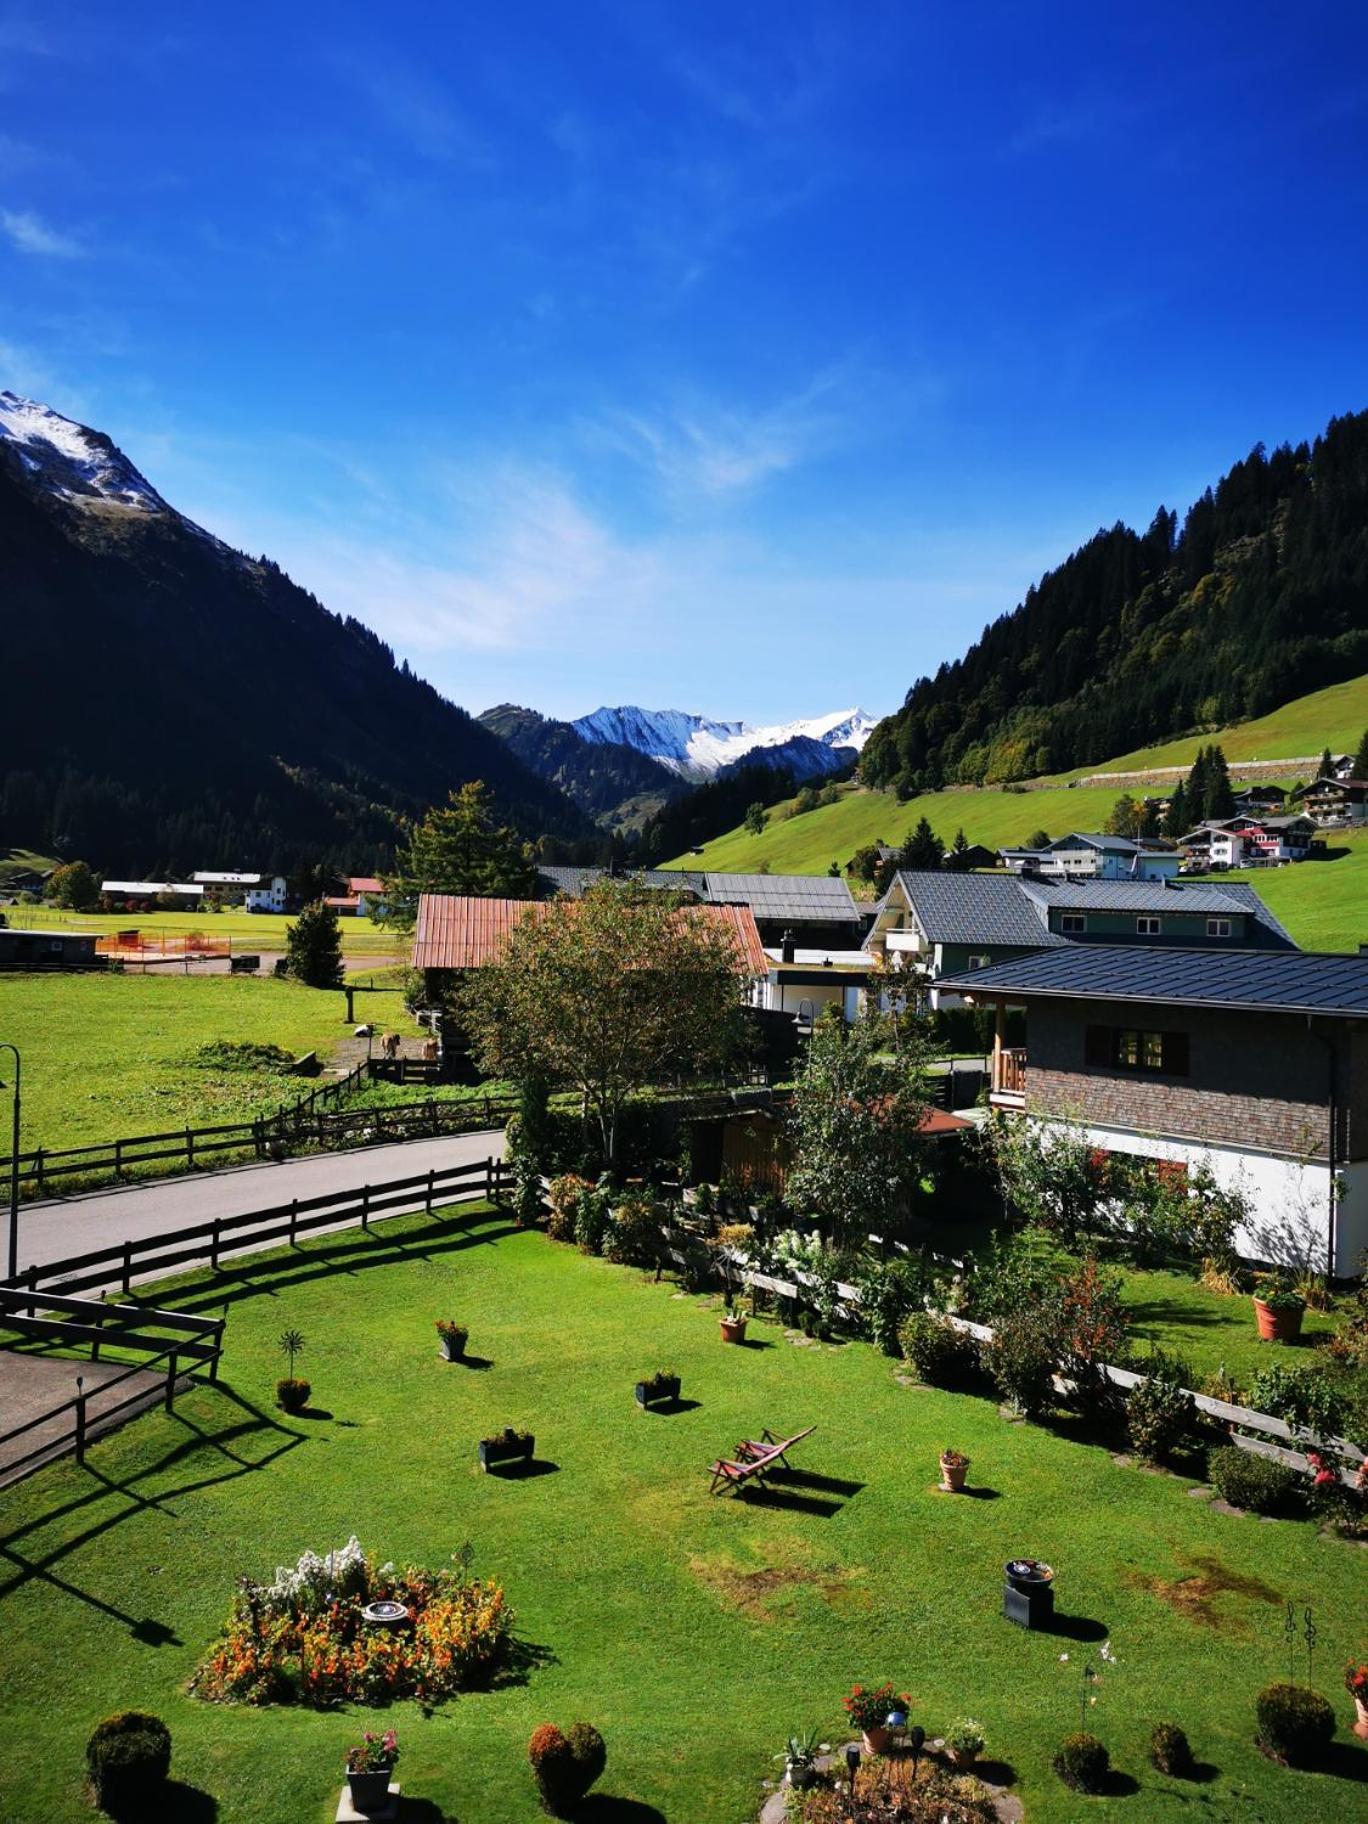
1323, 904
1333, 718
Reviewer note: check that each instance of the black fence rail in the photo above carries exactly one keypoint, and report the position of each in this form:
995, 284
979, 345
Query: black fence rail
206, 1243
196, 1344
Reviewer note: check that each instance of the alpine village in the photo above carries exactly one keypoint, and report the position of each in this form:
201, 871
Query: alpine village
616, 1263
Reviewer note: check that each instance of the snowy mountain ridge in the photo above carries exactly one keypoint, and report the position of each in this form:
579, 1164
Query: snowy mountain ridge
697, 747
71, 460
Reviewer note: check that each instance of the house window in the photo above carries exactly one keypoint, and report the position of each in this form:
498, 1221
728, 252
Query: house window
1073, 922
1133, 1048
1218, 927
1147, 927
979, 962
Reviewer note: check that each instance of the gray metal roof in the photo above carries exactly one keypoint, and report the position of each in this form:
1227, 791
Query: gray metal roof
811, 897
975, 909
1260, 980
1162, 897
573, 881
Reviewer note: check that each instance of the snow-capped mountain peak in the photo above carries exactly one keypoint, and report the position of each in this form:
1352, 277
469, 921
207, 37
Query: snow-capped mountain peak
697, 747
80, 464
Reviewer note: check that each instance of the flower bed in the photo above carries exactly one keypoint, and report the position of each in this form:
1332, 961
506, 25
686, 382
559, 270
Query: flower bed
302, 1639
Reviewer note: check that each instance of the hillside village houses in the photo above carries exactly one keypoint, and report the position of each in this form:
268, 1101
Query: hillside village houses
258, 892
1249, 840
1098, 856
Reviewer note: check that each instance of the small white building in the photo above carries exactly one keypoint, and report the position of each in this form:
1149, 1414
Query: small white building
260, 892
191, 892
1091, 856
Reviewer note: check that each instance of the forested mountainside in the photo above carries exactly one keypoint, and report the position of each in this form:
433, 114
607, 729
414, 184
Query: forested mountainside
599, 776
1259, 596
171, 704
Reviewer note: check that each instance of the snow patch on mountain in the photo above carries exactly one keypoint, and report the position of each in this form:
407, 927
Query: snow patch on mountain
69, 459
697, 747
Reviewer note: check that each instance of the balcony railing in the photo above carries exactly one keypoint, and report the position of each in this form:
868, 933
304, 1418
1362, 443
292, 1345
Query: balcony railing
1009, 1071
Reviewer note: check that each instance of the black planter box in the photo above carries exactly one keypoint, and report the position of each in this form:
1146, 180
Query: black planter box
1028, 1601
664, 1389
494, 1455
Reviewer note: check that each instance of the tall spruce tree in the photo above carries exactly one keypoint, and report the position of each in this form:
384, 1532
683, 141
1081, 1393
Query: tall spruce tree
922, 850
1177, 818
1327, 764
1220, 799
458, 848
314, 945
1360, 769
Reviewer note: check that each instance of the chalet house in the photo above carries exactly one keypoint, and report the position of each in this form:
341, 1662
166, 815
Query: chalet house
1249, 840
455, 934
260, 892
369, 894
125, 892
805, 980
945, 924
1094, 856
1253, 1063
1336, 801
1258, 798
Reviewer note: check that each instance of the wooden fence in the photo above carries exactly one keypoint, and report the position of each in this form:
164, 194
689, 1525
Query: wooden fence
1279, 1439
196, 1343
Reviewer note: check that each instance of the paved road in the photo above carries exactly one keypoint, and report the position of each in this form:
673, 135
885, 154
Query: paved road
73, 1225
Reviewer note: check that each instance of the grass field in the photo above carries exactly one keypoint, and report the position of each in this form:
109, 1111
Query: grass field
246, 930
696, 1632
106, 1055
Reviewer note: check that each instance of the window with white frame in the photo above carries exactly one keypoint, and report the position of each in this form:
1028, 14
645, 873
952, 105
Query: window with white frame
980, 961
1070, 923
1218, 927
1148, 927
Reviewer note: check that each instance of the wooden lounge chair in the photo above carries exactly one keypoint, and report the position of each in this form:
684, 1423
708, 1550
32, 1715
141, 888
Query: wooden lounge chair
753, 1460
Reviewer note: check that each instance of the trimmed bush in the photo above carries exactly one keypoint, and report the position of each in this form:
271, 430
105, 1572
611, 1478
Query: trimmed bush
1253, 1482
565, 1764
1082, 1762
941, 1355
1021, 1359
592, 1221
633, 1237
563, 1195
292, 1394
1169, 1751
128, 1758
1159, 1412
1296, 1724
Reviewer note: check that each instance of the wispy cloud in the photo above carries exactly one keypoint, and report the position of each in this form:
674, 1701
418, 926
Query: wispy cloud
417, 110
30, 234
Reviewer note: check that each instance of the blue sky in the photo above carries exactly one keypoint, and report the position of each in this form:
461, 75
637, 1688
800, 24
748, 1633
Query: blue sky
734, 357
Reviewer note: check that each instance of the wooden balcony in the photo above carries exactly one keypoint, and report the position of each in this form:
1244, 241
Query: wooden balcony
1007, 1088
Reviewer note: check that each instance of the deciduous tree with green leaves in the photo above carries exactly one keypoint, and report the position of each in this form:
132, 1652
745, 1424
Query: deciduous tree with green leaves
459, 848
856, 1119
73, 885
606, 995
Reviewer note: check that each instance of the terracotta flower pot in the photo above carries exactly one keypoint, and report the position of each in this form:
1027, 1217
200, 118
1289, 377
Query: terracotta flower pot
1280, 1324
733, 1329
953, 1474
876, 1739
1361, 1719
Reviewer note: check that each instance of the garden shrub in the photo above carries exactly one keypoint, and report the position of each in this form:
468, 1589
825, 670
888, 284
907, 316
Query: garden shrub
563, 1195
301, 1638
633, 1238
1159, 1411
1295, 1724
1093, 1329
1253, 1482
1020, 1360
565, 1764
1305, 1397
941, 1355
1018, 1273
128, 1758
1169, 1751
292, 1393
1082, 1762
890, 1792
889, 1290
593, 1219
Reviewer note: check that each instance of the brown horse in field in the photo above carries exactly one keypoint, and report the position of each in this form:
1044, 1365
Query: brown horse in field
390, 1044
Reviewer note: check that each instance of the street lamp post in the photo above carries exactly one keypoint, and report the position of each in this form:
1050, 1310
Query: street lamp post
14, 1163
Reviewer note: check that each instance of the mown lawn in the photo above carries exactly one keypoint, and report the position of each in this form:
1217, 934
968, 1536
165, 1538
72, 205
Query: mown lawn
696, 1632
108, 1055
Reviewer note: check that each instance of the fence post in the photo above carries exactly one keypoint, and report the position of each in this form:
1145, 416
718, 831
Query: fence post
118, 1158
294, 1218
38, 1161
33, 1287
489, 1179
127, 1264
171, 1382
365, 1208
190, 1146
258, 1138
431, 1176
218, 1346
80, 1418
214, 1245
95, 1340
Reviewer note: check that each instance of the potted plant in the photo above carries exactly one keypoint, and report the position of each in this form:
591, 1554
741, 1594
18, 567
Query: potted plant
954, 1467
453, 1338
800, 1760
1356, 1684
869, 1708
369, 1766
506, 1446
964, 1741
292, 1394
733, 1321
1278, 1307
662, 1385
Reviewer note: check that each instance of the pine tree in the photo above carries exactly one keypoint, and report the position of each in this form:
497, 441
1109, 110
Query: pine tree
1149, 819
1177, 818
1360, 766
922, 851
1220, 800
314, 944
1197, 788
1327, 763
957, 859
459, 849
